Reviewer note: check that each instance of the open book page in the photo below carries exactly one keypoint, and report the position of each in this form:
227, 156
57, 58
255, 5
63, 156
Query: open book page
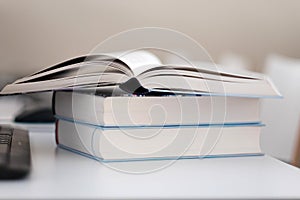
190, 85
71, 71
206, 78
186, 71
209, 68
66, 83
81, 68
59, 67
137, 61
219, 69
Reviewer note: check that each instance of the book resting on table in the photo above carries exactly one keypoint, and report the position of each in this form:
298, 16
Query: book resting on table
131, 106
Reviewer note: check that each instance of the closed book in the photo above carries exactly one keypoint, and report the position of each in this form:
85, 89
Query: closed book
154, 110
146, 143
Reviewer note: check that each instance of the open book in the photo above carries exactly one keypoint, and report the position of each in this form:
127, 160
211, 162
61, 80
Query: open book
141, 72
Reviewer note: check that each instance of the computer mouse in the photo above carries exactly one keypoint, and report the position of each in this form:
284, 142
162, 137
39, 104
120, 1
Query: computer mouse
38, 115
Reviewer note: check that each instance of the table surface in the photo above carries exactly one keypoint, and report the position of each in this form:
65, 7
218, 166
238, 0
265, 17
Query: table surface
58, 173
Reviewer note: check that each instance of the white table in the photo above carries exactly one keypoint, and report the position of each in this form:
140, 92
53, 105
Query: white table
58, 173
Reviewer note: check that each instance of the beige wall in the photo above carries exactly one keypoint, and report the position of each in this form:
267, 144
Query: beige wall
34, 34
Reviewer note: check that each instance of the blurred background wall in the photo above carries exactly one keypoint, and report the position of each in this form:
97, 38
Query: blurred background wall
38, 33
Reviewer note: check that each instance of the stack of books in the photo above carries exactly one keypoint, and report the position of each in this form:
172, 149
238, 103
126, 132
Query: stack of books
117, 107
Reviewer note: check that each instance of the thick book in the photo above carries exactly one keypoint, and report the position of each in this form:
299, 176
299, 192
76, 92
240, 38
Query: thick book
154, 110
114, 144
142, 72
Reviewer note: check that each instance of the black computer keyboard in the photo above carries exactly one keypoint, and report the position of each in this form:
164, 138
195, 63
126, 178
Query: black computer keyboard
15, 159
